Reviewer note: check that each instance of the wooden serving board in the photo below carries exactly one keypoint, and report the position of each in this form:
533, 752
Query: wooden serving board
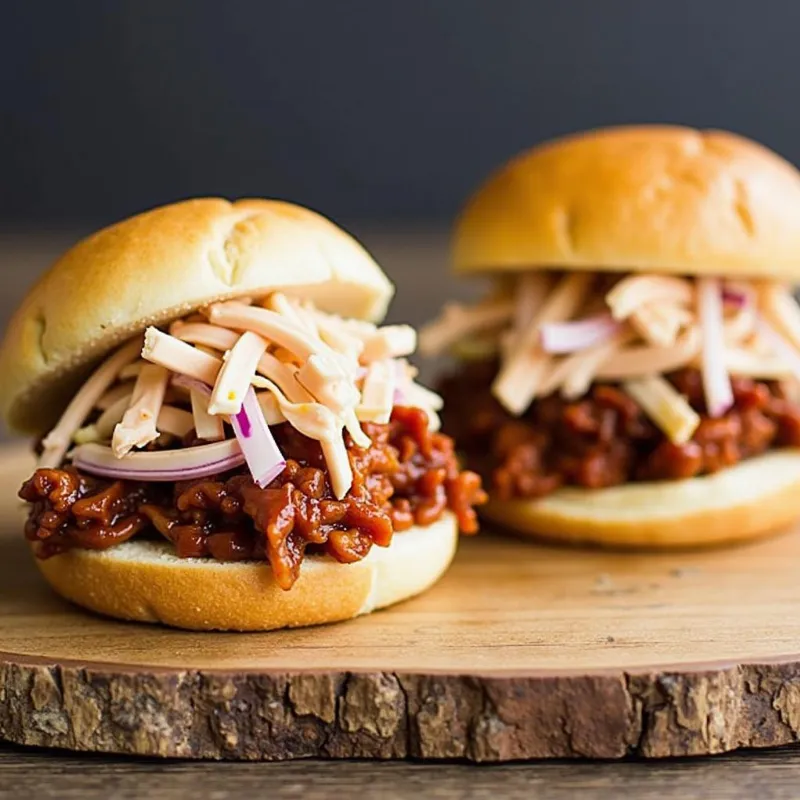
522, 651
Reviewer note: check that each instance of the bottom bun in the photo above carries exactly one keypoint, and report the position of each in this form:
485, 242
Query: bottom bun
756, 497
145, 581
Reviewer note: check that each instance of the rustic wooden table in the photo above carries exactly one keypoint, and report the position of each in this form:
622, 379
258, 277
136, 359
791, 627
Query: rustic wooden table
768, 775
416, 261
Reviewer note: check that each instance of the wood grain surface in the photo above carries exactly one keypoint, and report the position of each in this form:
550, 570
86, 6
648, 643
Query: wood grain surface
49, 775
521, 651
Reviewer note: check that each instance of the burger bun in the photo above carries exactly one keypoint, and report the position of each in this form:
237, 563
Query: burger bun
145, 581
756, 497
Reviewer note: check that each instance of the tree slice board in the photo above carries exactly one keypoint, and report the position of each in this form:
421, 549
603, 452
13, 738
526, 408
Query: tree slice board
521, 651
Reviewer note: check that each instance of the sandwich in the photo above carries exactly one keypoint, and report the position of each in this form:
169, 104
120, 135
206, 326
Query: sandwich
226, 438
631, 376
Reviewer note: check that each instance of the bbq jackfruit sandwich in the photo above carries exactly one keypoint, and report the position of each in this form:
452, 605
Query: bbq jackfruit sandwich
631, 378
228, 440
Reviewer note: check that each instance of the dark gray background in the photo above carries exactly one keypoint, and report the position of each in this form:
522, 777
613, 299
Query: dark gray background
366, 109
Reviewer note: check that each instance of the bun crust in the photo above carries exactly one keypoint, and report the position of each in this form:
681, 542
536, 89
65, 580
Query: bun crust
644, 198
756, 497
144, 581
160, 265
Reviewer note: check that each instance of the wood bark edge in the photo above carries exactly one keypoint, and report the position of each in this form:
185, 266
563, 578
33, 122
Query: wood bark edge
386, 715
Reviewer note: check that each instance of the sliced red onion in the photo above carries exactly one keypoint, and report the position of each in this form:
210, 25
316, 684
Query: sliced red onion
401, 382
737, 298
243, 421
261, 452
191, 383
570, 337
160, 465
716, 381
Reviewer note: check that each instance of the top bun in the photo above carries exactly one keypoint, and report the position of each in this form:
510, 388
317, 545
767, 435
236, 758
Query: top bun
643, 198
160, 265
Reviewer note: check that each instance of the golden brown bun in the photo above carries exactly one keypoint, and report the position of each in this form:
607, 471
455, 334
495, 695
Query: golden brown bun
146, 582
756, 497
661, 199
159, 265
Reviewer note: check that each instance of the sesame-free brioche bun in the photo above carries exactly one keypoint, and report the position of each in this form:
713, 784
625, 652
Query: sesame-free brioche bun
642, 198
145, 581
756, 497
160, 265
